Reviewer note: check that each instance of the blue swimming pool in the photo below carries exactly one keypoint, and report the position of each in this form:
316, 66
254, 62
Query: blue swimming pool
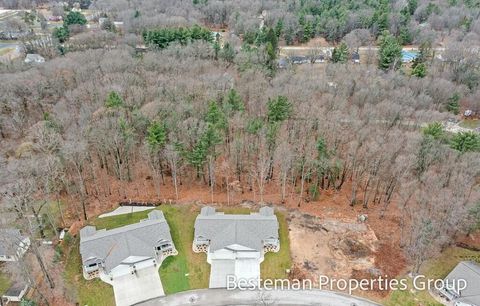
408, 56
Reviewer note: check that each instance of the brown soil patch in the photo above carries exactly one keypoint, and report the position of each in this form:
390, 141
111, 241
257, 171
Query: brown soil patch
335, 248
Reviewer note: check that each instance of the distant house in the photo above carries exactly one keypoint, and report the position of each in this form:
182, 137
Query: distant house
282, 63
299, 60
408, 56
102, 20
468, 113
356, 57
15, 293
317, 59
128, 257
118, 24
76, 7
235, 244
470, 296
34, 58
12, 35
13, 244
55, 18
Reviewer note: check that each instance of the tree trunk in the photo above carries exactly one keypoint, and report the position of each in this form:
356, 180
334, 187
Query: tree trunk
365, 193
37, 219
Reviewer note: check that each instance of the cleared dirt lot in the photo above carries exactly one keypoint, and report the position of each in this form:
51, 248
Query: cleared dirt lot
331, 247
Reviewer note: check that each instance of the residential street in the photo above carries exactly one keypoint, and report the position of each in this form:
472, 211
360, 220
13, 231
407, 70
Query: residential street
223, 297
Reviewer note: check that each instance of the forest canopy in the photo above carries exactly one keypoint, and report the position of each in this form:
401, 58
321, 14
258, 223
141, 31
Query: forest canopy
164, 96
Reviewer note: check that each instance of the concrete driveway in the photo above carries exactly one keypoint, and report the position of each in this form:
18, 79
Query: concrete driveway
131, 288
223, 297
122, 210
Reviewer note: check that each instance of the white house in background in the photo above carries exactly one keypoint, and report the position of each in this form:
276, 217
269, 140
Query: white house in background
15, 293
13, 244
34, 58
235, 244
468, 113
470, 296
356, 57
128, 257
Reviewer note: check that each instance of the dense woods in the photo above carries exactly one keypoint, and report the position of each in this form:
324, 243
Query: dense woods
161, 38
413, 21
191, 118
190, 111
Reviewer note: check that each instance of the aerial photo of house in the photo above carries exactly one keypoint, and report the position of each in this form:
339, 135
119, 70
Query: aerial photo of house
13, 244
128, 257
470, 296
235, 244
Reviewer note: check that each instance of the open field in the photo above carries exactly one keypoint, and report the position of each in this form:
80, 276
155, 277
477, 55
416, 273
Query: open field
187, 270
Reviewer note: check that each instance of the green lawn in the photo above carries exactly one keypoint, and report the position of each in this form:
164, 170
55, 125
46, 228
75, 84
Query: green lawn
275, 264
120, 220
187, 270
93, 292
470, 123
4, 283
434, 269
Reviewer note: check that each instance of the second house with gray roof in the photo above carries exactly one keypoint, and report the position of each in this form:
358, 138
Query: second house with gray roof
128, 257
235, 244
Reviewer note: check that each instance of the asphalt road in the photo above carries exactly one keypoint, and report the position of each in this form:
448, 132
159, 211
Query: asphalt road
361, 49
222, 297
8, 45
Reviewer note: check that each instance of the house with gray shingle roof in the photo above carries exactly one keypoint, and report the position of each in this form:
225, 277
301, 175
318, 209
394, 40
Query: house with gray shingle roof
13, 244
128, 257
15, 293
235, 244
104, 250
34, 58
470, 296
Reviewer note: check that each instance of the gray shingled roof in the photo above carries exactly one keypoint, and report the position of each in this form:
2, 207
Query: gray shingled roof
225, 229
15, 290
32, 57
470, 272
113, 246
10, 239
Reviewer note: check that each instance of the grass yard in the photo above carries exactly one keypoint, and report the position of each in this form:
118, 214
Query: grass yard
470, 123
4, 51
275, 264
434, 269
93, 292
4, 283
187, 270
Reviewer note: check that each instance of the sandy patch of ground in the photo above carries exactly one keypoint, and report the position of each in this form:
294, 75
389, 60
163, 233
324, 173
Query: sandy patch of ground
336, 248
